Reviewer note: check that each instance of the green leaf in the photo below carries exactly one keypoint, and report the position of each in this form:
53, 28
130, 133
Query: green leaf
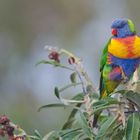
69, 86
104, 104
133, 126
68, 102
117, 134
111, 100
105, 101
56, 92
51, 62
84, 124
92, 94
53, 135
38, 134
120, 91
76, 137
134, 97
69, 122
71, 134
79, 96
54, 63
73, 77
71, 119
105, 127
34, 138
124, 138
51, 105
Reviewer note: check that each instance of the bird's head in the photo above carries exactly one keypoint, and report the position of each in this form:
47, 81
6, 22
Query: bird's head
123, 28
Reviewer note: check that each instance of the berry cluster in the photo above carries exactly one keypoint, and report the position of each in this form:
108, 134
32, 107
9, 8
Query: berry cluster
7, 129
55, 55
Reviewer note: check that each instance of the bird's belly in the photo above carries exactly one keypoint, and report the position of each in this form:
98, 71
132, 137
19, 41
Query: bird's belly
128, 66
125, 48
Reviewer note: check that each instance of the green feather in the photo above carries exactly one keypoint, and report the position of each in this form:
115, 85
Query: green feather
131, 25
107, 85
104, 56
102, 64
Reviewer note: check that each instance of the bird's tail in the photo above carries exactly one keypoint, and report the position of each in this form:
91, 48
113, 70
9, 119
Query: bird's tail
96, 116
102, 90
103, 94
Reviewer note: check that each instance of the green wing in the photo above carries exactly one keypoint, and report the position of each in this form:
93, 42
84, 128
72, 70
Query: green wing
102, 64
104, 56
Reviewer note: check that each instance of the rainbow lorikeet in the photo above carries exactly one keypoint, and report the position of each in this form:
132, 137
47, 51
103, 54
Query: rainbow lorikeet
120, 58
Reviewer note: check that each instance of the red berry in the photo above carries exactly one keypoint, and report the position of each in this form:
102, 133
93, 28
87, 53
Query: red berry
54, 56
71, 60
9, 130
4, 120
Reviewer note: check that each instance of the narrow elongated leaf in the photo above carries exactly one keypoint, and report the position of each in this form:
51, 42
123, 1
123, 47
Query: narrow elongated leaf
105, 128
71, 118
54, 63
104, 104
120, 91
67, 102
38, 134
34, 138
69, 86
99, 103
71, 134
111, 100
106, 101
77, 137
133, 126
131, 95
53, 135
79, 96
69, 122
70, 101
84, 124
124, 138
58, 91
117, 134
51, 105
51, 62
134, 97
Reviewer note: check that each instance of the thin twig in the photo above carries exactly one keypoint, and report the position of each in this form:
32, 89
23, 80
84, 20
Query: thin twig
80, 68
68, 86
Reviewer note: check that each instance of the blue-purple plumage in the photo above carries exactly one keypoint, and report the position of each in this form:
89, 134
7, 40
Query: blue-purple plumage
128, 66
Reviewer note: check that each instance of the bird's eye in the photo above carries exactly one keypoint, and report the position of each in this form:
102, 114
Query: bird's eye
114, 32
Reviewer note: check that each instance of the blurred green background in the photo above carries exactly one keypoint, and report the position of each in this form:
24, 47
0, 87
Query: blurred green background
81, 26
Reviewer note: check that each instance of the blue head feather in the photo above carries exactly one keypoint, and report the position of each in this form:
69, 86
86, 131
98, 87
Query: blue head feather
123, 28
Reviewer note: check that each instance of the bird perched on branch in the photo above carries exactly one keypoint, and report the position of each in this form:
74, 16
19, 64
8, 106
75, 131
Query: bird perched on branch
120, 57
